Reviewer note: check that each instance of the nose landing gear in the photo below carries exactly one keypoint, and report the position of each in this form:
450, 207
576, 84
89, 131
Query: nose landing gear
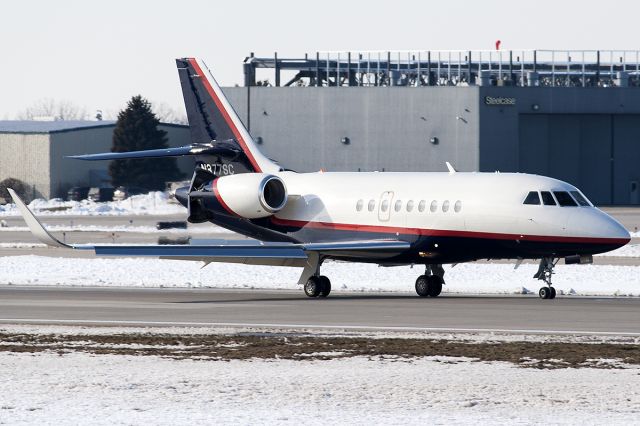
545, 271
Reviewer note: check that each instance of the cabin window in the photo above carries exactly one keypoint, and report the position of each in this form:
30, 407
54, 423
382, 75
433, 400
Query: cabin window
445, 206
580, 198
409, 205
372, 205
384, 206
359, 205
532, 198
457, 206
564, 199
422, 205
547, 198
434, 206
398, 206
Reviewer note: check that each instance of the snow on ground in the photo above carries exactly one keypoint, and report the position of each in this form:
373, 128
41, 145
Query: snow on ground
78, 388
153, 203
464, 278
213, 229
630, 250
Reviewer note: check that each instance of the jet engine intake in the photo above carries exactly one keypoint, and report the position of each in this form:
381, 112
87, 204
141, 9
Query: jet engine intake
251, 195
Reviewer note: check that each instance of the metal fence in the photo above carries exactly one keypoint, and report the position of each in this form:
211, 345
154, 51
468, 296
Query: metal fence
552, 68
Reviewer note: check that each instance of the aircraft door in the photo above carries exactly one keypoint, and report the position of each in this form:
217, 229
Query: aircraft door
384, 207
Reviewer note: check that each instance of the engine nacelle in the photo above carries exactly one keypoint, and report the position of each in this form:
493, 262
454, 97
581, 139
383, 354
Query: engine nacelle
251, 195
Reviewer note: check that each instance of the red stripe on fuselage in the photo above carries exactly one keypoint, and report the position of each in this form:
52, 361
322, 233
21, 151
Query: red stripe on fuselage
444, 233
225, 114
219, 198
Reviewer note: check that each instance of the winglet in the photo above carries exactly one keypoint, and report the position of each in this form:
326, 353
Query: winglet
450, 167
34, 224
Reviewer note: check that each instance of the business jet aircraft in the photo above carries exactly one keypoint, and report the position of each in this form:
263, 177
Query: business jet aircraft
304, 219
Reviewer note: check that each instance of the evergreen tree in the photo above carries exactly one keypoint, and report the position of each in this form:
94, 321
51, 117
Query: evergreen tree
136, 130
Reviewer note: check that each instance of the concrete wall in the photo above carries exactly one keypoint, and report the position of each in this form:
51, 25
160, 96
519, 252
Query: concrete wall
589, 137
388, 128
26, 157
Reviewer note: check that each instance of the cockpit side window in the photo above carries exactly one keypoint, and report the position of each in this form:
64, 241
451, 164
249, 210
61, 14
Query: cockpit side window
564, 199
580, 199
532, 198
547, 198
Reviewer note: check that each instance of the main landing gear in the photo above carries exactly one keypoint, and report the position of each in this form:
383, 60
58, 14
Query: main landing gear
430, 284
317, 286
545, 271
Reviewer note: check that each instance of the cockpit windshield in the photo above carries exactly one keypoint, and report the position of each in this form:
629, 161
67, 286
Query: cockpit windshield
564, 199
580, 198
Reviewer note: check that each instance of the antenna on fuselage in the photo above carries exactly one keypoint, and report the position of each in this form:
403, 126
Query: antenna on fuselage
450, 167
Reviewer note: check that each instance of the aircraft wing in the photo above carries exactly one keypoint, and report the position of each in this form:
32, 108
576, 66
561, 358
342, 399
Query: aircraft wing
247, 252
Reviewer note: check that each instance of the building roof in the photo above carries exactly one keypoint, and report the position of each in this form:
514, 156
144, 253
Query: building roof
34, 126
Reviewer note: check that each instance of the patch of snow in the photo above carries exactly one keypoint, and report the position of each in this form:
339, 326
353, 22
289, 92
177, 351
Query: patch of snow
630, 250
468, 278
153, 203
111, 389
123, 229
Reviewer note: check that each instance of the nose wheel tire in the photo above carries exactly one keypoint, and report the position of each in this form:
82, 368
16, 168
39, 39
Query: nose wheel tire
547, 293
317, 286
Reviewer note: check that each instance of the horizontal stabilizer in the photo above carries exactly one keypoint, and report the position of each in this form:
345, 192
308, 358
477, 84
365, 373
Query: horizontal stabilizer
227, 149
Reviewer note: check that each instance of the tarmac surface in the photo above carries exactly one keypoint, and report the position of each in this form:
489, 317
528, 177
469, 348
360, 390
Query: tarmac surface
284, 309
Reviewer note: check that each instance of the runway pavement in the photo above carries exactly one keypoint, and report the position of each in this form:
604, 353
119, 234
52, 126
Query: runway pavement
283, 309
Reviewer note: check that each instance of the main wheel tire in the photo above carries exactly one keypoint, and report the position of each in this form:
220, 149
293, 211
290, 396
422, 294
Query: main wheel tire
544, 292
312, 287
422, 286
325, 286
552, 295
435, 285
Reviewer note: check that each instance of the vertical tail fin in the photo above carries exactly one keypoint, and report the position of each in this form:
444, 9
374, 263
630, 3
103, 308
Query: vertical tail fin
211, 116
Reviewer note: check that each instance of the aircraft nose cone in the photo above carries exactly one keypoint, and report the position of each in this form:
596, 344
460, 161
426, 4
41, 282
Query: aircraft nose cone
614, 230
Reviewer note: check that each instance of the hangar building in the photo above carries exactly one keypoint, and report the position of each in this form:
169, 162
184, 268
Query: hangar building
34, 152
571, 115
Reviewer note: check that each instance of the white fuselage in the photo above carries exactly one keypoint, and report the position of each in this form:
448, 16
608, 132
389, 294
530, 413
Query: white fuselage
467, 202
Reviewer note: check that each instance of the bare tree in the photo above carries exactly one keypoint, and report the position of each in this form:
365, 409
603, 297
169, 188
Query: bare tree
166, 114
54, 109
